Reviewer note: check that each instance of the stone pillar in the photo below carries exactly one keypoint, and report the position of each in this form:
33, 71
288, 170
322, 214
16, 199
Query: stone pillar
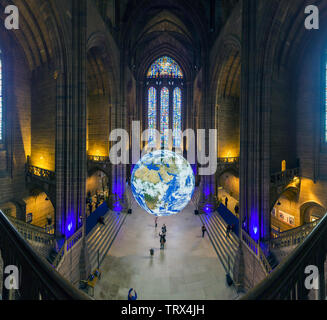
254, 152
208, 199
71, 164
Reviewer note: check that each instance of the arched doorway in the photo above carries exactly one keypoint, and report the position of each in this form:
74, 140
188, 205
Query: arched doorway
97, 190
40, 211
310, 212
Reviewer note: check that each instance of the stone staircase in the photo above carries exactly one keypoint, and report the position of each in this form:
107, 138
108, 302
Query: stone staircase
225, 247
100, 239
40, 241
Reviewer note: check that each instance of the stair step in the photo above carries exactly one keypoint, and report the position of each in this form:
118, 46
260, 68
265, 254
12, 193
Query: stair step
224, 247
103, 236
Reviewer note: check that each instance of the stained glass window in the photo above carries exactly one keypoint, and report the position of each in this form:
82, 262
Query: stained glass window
165, 67
152, 115
177, 117
164, 115
164, 95
1, 102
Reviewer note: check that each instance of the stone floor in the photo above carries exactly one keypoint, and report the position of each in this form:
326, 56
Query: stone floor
188, 267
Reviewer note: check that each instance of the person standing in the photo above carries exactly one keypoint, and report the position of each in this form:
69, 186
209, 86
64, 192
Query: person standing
226, 202
164, 229
156, 222
204, 229
162, 241
130, 296
236, 209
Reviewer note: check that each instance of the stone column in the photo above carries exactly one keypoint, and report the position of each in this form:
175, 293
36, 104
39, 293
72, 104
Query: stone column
71, 164
208, 201
254, 153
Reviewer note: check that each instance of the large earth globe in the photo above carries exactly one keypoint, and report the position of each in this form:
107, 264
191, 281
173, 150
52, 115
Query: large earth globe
162, 183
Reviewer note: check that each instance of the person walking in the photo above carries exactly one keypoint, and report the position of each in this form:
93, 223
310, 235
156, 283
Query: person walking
162, 241
130, 296
204, 229
164, 229
236, 209
226, 202
156, 222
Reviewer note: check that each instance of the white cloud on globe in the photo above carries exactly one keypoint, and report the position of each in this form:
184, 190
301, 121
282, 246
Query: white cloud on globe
163, 183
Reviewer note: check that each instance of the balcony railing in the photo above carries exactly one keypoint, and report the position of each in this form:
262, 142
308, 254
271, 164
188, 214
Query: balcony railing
287, 281
38, 279
293, 236
228, 160
41, 173
98, 158
285, 177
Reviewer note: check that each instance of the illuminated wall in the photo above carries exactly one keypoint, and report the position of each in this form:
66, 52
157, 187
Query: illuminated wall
96, 182
9, 209
228, 128
312, 197
40, 208
43, 119
230, 183
98, 125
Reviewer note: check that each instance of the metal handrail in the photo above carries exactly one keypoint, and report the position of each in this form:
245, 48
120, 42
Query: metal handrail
287, 275
293, 236
35, 271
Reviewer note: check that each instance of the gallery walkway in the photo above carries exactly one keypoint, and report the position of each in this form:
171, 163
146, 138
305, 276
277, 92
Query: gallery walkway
188, 268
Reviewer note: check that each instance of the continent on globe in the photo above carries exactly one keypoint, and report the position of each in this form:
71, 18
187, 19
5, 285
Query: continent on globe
163, 183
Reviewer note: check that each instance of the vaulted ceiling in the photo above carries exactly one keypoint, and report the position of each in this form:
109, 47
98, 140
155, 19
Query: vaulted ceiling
34, 34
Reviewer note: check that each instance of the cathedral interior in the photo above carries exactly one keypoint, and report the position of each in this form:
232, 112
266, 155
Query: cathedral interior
75, 72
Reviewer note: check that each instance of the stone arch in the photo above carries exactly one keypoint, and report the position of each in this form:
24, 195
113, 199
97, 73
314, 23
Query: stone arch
311, 209
102, 91
225, 88
292, 190
39, 203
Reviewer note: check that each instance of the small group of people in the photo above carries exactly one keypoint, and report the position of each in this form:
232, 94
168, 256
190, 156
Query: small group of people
162, 236
99, 198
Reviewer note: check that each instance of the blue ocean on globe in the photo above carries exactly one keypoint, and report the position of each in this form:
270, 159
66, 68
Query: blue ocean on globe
162, 183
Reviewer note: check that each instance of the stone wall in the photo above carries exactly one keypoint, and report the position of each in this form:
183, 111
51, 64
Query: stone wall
43, 119
17, 123
253, 270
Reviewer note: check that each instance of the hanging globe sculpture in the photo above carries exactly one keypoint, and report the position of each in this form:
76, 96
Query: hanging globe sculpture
162, 183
